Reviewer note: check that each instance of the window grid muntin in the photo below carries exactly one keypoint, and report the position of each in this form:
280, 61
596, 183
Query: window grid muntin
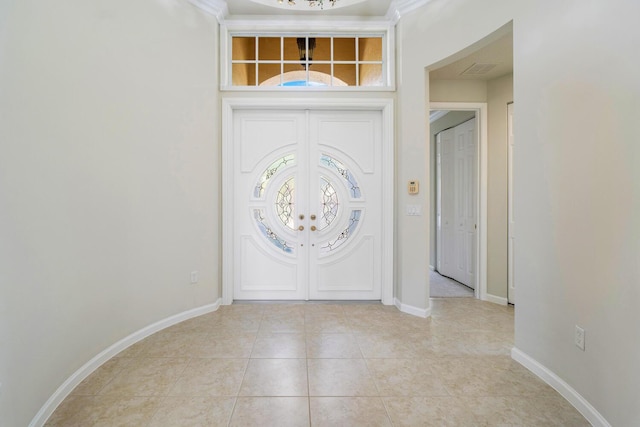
383, 62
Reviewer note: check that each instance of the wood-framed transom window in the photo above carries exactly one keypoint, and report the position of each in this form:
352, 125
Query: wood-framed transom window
315, 61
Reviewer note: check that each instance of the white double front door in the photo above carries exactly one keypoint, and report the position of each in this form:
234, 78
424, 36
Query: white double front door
308, 203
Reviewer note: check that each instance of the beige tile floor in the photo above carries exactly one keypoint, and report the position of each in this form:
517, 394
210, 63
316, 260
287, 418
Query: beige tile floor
322, 365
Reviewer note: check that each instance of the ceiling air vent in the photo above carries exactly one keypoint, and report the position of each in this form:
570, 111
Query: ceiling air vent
478, 69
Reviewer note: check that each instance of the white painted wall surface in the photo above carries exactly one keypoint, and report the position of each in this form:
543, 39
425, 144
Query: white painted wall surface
577, 200
577, 178
499, 93
457, 90
108, 181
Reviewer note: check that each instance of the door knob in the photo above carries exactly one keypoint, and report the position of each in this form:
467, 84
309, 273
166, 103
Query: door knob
301, 228
313, 228
313, 217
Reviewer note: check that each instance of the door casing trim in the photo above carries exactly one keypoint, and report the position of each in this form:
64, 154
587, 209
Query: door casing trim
481, 110
384, 105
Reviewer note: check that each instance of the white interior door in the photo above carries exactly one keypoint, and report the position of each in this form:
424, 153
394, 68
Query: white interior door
511, 232
307, 206
457, 177
446, 250
465, 203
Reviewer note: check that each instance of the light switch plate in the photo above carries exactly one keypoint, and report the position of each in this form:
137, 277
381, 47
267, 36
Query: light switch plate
414, 210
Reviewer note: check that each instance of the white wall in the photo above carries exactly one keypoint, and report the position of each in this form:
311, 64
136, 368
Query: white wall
109, 181
499, 93
577, 180
457, 90
577, 201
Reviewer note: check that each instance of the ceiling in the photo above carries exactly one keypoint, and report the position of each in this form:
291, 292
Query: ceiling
492, 61
489, 62
351, 8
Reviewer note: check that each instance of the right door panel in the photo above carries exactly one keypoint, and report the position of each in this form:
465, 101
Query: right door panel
346, 167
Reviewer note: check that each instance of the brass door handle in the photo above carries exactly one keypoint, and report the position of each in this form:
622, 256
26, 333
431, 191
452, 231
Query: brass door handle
313, 228
301, 228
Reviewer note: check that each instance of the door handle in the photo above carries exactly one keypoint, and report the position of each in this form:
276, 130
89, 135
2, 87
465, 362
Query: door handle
313, 228
301, 228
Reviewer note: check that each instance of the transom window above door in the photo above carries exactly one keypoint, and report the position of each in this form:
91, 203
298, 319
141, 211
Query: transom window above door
304, 61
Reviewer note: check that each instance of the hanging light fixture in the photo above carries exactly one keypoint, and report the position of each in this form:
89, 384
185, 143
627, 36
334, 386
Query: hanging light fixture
311, 3
306, 52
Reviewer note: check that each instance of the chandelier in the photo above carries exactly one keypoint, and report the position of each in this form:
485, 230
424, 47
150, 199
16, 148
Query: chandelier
312, 3
306, 51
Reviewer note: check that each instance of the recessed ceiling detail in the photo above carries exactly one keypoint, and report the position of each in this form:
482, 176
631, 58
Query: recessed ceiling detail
308, 5
478, 69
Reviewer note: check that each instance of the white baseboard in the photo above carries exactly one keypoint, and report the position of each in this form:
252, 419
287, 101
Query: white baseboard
496, 300
88, 368
558, 384
420, 312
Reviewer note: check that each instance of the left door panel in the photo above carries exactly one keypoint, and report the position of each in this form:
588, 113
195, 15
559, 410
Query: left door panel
269, 249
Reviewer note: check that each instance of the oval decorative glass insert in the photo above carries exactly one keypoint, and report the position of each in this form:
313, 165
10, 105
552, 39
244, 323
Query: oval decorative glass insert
285, 203
339, 167
342, 238
289, 159
268, 232
328, 203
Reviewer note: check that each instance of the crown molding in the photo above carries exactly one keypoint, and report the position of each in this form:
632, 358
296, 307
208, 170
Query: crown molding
279, 24
399, 8
217, 8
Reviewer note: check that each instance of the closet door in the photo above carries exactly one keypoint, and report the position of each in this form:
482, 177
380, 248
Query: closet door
446, 244
465, 203
458, 203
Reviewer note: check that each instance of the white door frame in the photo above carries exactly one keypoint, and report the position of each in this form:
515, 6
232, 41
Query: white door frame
511, 294
385, 106
480, 108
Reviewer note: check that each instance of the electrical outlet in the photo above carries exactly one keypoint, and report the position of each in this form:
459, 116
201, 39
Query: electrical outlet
194, 277
579, 337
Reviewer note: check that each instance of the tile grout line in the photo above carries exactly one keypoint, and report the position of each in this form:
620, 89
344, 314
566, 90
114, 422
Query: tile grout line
306, 360
244, 374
